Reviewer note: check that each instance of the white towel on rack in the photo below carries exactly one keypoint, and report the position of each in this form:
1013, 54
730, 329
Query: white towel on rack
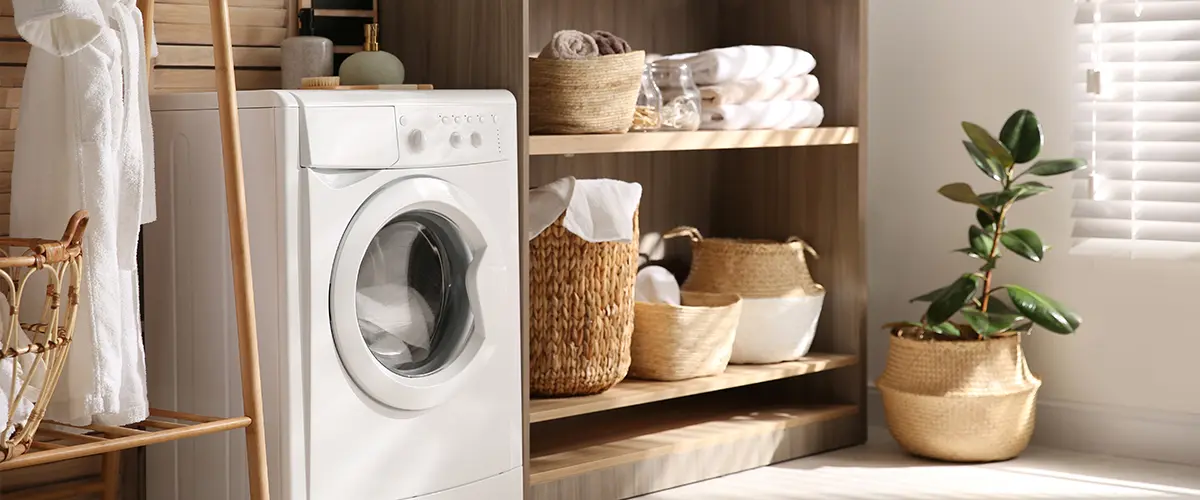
747, 62
89, 146
774, 115
799, 88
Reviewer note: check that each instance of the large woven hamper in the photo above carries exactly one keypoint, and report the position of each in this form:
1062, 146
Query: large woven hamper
688, 341
580, 312
584, 96
961, 401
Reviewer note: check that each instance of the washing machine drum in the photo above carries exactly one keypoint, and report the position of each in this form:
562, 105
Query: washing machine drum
404, 300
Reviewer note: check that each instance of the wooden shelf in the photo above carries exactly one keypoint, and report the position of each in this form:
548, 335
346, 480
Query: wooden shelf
56, 442
635, 142
567, 456
636, 392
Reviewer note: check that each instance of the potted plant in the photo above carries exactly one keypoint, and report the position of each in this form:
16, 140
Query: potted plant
956, 386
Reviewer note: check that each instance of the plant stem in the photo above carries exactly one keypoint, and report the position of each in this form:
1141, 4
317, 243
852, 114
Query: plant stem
987, 277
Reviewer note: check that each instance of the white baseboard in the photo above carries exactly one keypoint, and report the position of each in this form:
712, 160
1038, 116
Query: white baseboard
1103, 429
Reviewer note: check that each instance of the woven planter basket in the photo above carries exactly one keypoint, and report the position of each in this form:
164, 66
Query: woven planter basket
677, 343
781, 302
959, 401
33, 354
584, 96
580, 312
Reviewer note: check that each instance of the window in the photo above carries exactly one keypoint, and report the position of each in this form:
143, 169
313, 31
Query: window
1138, 125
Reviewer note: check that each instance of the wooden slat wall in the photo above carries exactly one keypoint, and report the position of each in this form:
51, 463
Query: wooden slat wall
184, 63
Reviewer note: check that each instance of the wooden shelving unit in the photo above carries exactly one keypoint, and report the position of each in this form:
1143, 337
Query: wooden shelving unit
631, 392
688, 141
641, 437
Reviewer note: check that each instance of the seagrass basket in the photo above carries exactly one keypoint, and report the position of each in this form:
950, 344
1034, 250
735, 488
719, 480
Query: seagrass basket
580, 311
33, 354
691, 340
584, 96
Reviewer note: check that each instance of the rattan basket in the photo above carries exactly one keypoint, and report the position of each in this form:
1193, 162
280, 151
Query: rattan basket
584, 96
34, 354
781, 302
961, 401
580, 312
681, 342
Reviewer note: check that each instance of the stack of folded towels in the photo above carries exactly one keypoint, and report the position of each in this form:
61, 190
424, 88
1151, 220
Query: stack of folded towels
755, 87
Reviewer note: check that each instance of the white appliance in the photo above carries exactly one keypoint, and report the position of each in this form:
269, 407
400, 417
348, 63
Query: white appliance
383, 229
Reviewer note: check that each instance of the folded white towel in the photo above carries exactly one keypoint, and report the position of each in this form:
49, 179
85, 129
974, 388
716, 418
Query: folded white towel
800, 88
773, 115
747, 62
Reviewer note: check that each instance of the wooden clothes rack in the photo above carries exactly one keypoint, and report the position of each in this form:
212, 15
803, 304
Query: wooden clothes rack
55, 445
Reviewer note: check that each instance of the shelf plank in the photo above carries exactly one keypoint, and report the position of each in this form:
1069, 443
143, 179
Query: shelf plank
551, 462
635, 392
635, 142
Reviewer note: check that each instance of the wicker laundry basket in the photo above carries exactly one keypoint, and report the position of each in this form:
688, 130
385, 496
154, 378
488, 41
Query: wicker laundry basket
781, 302
580, 312
34, 354
681, 342
960, 401
584, 96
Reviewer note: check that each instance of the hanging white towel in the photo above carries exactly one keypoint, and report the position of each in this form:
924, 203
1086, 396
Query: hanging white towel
89, 146
747, 62
775, 115
799, 88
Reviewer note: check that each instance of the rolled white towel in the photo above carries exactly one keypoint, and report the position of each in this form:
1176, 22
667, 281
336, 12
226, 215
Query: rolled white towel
800, 88
773, 115
570, 44
747, 62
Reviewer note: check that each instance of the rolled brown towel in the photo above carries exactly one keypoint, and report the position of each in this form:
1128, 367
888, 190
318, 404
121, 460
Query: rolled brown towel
610, 44
570, 44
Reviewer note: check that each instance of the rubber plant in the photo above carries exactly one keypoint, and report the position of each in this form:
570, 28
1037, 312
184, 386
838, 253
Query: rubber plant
973, 307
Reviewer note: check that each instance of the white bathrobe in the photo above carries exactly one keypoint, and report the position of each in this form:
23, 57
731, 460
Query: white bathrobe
84, 141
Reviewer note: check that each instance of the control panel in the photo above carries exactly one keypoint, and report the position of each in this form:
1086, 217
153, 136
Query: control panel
379, 135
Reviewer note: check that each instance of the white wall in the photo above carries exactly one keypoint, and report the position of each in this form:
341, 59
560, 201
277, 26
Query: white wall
1129, 382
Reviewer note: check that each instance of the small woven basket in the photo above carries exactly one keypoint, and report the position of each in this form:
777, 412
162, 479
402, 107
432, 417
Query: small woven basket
580, 312
750, 268
34, 354
959, 401
584, 96
681, 342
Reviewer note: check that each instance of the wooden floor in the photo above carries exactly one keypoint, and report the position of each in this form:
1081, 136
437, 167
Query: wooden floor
881, 471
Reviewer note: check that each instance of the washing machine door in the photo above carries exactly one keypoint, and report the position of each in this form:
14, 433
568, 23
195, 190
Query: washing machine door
404, 300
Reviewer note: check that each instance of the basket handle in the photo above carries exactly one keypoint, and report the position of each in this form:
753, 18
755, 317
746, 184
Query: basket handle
689, 231
796, 242
69, 246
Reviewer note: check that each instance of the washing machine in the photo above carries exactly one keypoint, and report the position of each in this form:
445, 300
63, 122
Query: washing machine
384, 246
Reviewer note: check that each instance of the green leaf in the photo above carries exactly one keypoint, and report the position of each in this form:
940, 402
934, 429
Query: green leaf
953, 298
1022, 135
987, 164
995, 305
1047, 168
981, 242
1030, 189
946, 328
1040, 310
985, 218
987, 323
929, 297
1024, 242
970, 253
988, 144
1072, 318
962, 193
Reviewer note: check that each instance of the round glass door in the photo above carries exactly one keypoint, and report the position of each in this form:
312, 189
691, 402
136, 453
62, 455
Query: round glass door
411, 298
404, 297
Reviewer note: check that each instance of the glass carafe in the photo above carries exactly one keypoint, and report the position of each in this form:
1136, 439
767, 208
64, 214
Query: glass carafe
680, 96
646, 116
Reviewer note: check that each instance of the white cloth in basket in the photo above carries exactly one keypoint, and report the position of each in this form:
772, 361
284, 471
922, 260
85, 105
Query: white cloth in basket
597, 210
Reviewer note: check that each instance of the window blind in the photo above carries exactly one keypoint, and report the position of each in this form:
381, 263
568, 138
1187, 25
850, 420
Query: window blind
1137, 124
